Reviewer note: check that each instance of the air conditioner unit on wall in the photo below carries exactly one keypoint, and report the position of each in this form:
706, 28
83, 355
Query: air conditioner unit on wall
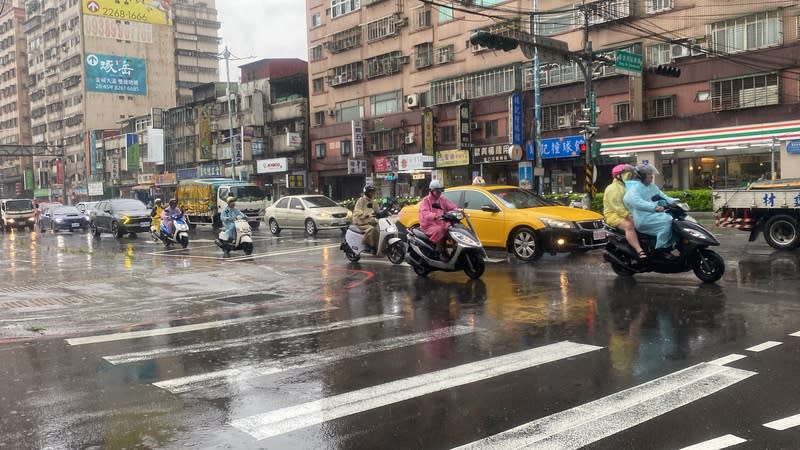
679, 51
412, 101
564, 121
331, 112
409, 138
475, 126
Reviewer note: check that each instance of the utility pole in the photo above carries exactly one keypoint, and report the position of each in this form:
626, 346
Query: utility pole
537, 106
587, 66
231, 138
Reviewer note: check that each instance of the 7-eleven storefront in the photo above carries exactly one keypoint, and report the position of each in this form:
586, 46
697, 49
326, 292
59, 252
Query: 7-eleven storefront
718, 157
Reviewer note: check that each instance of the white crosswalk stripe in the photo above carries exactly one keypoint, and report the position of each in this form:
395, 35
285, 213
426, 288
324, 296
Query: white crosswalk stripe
784, 424
718, 443
588, 423
190, 328
190, 383
161, 352
273, 423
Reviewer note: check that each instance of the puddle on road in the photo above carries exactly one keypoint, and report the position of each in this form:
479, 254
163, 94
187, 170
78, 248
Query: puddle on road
252, 298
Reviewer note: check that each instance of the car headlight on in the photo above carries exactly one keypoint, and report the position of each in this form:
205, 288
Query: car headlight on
10, 220
126, 220
58, 220
31, 219
556, 223
324, 215
461, 237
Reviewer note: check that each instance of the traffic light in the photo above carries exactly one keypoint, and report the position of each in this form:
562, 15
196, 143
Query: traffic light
595, 149
493, 41
665, 70
582, 147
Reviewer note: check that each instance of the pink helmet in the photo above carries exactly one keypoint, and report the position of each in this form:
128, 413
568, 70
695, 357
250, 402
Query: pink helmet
620, 168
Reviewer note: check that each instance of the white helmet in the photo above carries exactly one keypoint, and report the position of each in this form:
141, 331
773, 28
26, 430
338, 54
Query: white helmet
435, 184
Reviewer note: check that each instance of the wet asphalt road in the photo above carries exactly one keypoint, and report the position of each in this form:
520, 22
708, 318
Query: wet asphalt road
122, 344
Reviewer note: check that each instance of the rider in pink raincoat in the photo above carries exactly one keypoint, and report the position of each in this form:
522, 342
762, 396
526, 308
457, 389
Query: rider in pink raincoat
430, 218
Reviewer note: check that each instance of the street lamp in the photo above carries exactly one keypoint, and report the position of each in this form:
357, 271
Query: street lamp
231, 138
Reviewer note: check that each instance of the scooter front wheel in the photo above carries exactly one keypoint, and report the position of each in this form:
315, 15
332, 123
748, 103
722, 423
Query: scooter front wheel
474, 265
184, 241
350, 254
247, 247
396, 253
709, 266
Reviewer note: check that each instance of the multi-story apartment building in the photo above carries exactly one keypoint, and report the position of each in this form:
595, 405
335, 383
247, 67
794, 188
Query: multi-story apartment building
15, 172
396, 83
267, 123
90, 71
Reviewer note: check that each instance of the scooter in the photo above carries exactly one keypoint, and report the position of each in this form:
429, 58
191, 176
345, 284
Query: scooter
467, 253
692, 244
179, 236
389, 242
242, 241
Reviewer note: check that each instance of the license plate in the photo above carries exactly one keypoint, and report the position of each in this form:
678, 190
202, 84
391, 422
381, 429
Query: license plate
75, 225
599, 235
144, 224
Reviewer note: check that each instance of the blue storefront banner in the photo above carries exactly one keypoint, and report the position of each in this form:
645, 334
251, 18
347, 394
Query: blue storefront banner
563, 147
116, 74
793, 147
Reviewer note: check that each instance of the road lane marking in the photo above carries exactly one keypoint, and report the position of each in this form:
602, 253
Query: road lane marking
764, 346
189, 328
284, 420
588, 423
795, 334
721, 442
304, 361
247, 340
727, 359
784, 424
284, 252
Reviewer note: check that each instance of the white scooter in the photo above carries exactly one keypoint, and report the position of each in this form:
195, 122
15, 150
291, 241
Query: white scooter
389, 242
180, 235
242, 241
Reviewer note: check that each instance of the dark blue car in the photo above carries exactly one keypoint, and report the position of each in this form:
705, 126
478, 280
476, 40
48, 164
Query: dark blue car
57, 218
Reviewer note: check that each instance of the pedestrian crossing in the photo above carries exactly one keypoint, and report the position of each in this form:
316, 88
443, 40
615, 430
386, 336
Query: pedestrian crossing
570, 428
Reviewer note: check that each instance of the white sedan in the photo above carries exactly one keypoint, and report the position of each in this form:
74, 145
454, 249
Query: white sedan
307, 212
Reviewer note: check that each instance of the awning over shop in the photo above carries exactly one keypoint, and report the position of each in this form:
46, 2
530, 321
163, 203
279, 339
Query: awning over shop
713, 137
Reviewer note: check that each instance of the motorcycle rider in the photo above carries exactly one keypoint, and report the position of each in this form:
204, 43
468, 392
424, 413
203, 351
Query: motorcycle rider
155, 214
228, 218
614, 209
431, 209
648, 215
166, 215
364, 218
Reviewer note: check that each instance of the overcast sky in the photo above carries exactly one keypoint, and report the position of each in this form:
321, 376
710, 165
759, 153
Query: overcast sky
261, 29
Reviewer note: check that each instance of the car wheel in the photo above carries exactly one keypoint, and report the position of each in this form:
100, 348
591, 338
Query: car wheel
116, 230
311, 227
782, 232
273, 227
95, 231
525, 246
52, 228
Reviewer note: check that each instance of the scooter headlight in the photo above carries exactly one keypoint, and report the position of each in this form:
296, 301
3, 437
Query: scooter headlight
465, 239
391, 229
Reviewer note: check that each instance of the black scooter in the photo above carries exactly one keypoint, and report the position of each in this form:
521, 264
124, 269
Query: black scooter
692, 243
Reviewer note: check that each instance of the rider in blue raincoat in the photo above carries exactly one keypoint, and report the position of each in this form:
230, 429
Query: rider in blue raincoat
648, 215
228, 218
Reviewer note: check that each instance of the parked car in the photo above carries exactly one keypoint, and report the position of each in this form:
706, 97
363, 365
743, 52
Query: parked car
307, 212
119, 217
521, 221
57, 218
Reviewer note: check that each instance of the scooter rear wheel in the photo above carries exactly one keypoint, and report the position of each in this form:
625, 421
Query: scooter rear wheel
621, 271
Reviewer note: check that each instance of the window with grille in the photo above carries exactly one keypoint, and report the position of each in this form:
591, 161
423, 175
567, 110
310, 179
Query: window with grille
448, 134
557, 22
387, 103
746, 33
491, 128
551, 113
605, 11
344, 40
422, 16
316, 53
445, 54
385, 64
317, 85
622, 112
654, 6
384, 140
345, 147
745, 92
350, 110
659, 54
380, 28
661, 107
342, 7
423, 54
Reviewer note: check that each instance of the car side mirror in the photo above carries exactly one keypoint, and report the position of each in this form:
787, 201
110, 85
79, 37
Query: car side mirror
490, 208
107, 211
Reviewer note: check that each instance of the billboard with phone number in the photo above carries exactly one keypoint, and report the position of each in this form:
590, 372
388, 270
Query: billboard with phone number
116, 74
157, 12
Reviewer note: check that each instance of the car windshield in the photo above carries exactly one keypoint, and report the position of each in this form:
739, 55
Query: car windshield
519, 198
248, 193
319, 201
19, 205
65, 210
128, 205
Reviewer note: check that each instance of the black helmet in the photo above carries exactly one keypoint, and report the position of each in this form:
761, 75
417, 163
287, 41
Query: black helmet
369, 188
646, 169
